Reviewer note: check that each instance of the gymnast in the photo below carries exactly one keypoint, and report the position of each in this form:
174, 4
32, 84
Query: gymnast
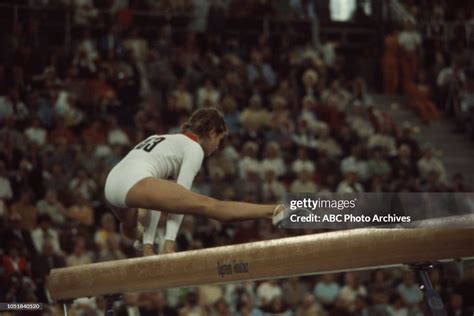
139, 181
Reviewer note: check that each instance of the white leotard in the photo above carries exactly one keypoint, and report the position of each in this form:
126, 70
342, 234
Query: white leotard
160, 156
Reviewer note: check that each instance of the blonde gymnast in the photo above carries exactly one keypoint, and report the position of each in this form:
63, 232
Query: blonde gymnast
139, 181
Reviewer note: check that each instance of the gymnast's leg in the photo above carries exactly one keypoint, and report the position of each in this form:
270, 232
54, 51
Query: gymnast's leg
128, 218
150, 223
153, 193
172, 227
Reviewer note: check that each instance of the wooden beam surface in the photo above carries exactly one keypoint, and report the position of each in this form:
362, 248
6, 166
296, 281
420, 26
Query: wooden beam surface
302, 255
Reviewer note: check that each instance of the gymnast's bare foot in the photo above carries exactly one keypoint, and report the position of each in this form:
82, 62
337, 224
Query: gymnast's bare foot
148, 250
168, 247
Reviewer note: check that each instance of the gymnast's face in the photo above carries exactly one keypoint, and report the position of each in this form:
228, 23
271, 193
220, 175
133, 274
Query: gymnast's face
212, 142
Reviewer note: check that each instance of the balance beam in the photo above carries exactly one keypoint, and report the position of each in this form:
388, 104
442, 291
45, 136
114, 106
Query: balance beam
303, 255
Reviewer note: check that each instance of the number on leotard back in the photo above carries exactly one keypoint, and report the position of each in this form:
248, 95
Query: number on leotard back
149, 144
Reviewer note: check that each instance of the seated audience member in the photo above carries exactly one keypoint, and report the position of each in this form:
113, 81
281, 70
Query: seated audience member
14, 263
81, 211
79, 255
51, 206
351, 290
112, 250
42, 264
25, 208
409, 290
327, 290
45, 233
108, 228
267, 291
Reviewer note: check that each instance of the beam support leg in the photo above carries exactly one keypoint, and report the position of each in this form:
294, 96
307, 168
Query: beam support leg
110, 299
431, 296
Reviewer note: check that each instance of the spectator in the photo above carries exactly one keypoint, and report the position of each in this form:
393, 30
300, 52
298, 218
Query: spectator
6, 192
272, 189
464, 110
95, 134
272, 160
44, 110
380, 285
81, 211
305, 135
11, 106
83, 185
79, 255
428, 163
84, 12
359, 123
351, 291
328, 144
41, 265
112, 250
52, 207
255, 114
327, 290
221, 308
249, 160
116, 135
448, 78
66, 109
378, 166
309, 306
390, 63
278, 306
231, 115
148, 119
397, 306
409, 40
14, 263
45, 234
259, 73
107, 230
409, 290
356, 162
267, 291
191, 306
184, 99
130, 305
207, 94
303, 183
245, 306
294, 290
420, 99
14, 233
35, 133
26, 210
308, 112
110, 44
350, 183
302, 163
57, 179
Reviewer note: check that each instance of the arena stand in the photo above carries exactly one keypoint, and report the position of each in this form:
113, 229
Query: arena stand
301, 119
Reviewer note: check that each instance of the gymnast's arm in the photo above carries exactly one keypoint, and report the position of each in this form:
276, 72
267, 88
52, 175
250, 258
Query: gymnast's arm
192, 161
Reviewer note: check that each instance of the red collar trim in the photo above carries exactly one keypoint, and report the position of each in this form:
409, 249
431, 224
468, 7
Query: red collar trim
192, 136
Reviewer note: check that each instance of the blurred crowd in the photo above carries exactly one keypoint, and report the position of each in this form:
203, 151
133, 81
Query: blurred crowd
88, 11
430, 60
299, 120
